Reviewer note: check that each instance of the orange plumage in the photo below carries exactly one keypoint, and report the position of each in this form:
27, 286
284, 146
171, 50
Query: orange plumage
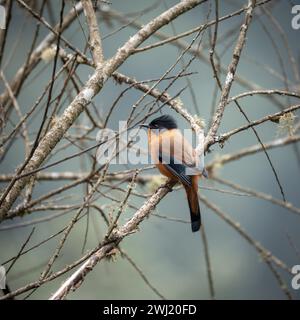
175, 158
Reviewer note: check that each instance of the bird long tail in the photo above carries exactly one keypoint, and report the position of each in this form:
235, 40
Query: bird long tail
192, 197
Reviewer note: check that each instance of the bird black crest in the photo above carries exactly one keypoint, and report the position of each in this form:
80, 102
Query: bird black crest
163, 122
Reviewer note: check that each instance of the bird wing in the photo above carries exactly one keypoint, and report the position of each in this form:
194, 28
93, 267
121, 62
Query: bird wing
170, 154
177, 169
195, 164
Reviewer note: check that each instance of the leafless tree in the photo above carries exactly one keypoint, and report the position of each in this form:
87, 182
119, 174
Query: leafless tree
62, 124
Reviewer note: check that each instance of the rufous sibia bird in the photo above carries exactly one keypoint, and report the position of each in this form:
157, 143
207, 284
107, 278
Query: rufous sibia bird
176, 159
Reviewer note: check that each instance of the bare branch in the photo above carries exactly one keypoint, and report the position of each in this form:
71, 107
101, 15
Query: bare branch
92, 87
230, 76
95, 39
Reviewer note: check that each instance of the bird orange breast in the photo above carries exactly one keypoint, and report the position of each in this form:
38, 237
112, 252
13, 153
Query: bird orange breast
161, 141
167, 143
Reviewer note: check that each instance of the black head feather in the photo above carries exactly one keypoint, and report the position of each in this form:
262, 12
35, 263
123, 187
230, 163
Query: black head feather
163, 122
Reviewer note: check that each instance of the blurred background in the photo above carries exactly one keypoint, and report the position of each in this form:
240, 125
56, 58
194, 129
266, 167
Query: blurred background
168, 253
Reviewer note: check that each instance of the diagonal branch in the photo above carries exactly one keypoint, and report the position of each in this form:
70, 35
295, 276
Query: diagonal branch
210, 138
95, 39
252, 150
76, 279
34, 58
271, 117
92, 87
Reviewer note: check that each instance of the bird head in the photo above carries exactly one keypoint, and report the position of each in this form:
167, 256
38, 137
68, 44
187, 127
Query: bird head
162, 122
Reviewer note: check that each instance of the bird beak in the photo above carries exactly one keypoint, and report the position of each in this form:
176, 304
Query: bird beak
144, 125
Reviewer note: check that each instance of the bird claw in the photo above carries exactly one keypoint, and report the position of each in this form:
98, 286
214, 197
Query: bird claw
167, 186
170, 189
